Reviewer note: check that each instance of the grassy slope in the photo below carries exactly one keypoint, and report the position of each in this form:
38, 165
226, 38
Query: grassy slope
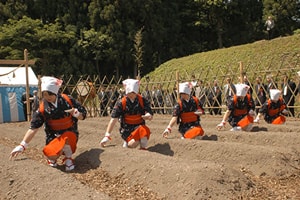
258, 56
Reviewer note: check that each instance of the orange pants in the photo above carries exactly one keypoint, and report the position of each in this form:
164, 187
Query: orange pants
55, 147
245, 121
279, 120
194, 132
140, 132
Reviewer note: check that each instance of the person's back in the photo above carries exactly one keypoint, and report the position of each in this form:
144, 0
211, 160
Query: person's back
147, 94
35, 103
103, 100
289, 92
270, 26
270, 23
229, 90
260, 91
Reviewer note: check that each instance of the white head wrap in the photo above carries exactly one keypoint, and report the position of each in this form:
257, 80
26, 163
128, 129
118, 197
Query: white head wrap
241, 89
131, 85
298, 72
274, 94
185, 88
50, 84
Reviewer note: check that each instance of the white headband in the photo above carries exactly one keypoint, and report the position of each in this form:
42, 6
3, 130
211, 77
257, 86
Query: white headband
50, 84
131, 85
185, 88
241, 89
274, 94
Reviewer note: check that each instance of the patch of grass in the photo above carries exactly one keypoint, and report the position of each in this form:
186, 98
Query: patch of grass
277, 56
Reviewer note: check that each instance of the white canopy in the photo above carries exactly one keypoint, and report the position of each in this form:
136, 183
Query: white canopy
17, 76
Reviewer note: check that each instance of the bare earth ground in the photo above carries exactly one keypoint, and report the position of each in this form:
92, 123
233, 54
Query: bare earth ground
263, 164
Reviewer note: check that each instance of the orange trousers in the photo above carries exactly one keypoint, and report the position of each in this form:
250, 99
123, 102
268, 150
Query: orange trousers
194, 132
245, 121
279, 120
140, 132
55, 147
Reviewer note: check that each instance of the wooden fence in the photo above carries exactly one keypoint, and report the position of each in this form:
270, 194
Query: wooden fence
162, 91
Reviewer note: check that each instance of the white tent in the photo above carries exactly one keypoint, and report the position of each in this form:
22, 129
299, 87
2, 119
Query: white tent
17, 76
12, 86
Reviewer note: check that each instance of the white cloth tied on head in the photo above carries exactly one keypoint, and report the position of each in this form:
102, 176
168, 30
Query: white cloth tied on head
241, 89
50, 84
185, 88
131, 85
274, 94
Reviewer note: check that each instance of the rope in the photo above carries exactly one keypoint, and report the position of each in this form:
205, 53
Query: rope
12, 70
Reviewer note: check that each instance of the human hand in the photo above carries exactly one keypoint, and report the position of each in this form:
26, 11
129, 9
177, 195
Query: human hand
285, 112
251, 113
105, 139
221, 125
166, 132
199, 112
74, 112
147, 116
18, 149
256, 120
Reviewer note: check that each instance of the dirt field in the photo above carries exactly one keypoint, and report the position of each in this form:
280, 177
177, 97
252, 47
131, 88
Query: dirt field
263, 164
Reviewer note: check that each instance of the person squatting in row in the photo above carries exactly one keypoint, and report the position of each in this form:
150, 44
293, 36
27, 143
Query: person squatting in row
60, 114
274, 109
186, 113
240, 110
131, 111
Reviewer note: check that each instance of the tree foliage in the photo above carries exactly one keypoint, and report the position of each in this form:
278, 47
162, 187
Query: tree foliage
99, 37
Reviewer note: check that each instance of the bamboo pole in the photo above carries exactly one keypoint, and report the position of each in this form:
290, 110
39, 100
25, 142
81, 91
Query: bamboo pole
27, 86
241, 73
39, 88
177, 84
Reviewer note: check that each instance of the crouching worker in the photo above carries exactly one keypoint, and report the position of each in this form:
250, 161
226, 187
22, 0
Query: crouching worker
187, 113
274, 109
132, 111
240, 110
59, 113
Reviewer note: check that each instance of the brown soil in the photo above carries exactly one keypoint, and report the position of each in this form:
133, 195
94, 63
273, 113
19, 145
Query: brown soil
263, 164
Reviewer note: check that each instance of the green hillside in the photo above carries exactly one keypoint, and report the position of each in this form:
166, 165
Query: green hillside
280, 55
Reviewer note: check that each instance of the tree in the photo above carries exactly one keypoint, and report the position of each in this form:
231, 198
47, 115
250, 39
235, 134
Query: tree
48, 44
285, 14
95, 36
94, 45
12, 9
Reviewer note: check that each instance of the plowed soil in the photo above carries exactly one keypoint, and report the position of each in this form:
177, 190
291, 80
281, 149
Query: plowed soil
262, 164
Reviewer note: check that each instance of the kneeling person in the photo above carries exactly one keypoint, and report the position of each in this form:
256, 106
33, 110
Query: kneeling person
59, 113
274, 109
187, 113
132, 111
240, 110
